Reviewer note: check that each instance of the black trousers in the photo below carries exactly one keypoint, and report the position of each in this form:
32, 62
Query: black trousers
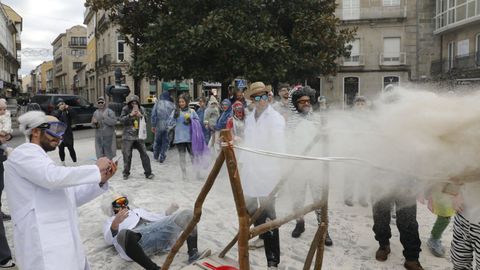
71, 150
406, 210
127, 148
5, 252
271, 239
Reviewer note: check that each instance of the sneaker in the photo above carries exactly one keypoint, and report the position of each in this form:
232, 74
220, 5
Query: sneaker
436, 247
272, 266
194, 255
150, 176
5, 217
125, 176
382, 253
348, 202
7, 264
413, 265
299, 229
257, 243
328, 240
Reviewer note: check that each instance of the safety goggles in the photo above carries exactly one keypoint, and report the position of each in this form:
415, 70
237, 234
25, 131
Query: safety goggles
258, 98
238, 109
54, 129
121, 202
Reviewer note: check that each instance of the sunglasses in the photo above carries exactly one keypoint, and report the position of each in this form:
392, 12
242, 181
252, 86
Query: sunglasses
54, 129
121, 202
304, 101
258, 98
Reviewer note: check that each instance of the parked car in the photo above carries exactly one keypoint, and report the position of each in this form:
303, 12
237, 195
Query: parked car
82, 109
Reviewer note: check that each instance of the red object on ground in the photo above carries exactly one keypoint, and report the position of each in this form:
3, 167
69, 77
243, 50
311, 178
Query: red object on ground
221, 267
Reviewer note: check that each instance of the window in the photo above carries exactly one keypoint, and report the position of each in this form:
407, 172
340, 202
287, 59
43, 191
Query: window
77, 53
390, 81
77, 65
354, 52
477, 49
120, 48
391, 49
463, 47
78, 41
391, 3
351, 9
450, 56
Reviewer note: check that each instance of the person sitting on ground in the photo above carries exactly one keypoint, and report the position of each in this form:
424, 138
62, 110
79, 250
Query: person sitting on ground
137, 233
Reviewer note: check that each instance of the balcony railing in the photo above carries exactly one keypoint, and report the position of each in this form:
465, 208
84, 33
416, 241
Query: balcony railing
393, 59
352, 61
77, 44
459, 63
371, 13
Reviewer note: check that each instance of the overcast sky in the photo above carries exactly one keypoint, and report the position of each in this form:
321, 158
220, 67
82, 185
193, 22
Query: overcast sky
43, 21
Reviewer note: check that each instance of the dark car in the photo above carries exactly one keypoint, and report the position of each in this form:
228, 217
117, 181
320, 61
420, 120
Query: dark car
82, 109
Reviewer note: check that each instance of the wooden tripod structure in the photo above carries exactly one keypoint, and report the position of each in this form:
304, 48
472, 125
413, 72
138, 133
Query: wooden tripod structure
245, 233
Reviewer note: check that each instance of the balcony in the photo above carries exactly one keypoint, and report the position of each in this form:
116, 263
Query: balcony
371, 13
352, 61
463, 64
392, 59
77, 44
18, 42
105, 60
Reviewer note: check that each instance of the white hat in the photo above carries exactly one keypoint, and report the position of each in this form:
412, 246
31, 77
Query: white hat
31, 120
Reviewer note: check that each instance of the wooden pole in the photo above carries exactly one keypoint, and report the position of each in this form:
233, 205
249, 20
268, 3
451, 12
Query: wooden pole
243, 217
257, 213
325, 192
270, 197
313, 249
268, 226
197, 212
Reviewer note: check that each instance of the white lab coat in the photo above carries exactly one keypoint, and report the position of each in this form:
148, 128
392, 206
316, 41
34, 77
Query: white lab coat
43, 200
260, 174
129, 223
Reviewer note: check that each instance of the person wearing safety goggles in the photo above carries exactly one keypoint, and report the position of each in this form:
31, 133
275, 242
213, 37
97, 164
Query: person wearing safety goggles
65, 115
264, 129
43, 197
137, 233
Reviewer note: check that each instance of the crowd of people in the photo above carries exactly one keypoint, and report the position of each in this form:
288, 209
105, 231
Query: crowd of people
43, 197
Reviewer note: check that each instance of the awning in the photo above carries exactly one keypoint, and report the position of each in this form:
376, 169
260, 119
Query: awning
180, 86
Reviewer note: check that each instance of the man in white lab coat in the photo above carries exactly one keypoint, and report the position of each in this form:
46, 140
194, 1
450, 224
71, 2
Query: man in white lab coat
43, 197
265, 130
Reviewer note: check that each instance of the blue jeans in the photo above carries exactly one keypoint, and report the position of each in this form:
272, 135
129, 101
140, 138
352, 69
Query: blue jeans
158, 236
160, 145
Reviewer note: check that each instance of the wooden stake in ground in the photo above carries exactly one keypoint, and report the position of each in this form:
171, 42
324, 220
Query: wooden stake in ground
197, 211
243, 217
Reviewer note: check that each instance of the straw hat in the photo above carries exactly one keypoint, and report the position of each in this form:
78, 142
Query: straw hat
256, 88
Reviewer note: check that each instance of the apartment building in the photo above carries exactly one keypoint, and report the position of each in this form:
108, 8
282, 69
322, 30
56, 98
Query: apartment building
457, 25
394, 44
69, 50
40, 78
10, 45
107, 51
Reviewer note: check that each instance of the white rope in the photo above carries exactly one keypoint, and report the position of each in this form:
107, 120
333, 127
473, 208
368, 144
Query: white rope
296, 157
328, 159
